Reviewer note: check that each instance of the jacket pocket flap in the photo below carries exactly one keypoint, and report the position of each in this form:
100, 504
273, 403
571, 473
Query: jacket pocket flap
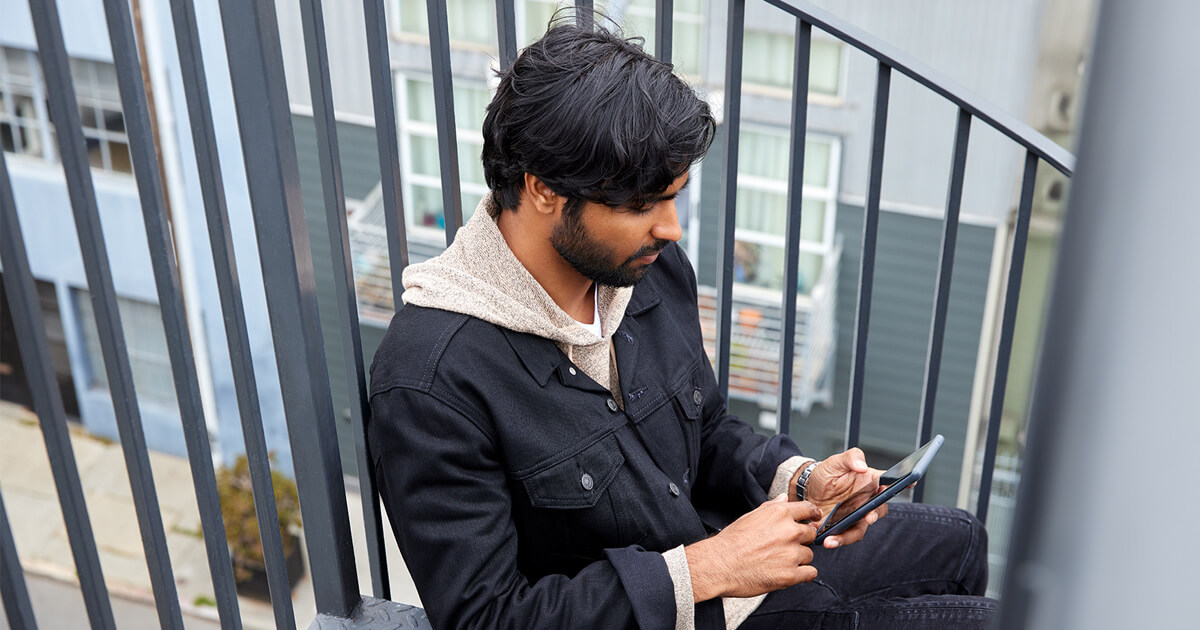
690, 400
579, 480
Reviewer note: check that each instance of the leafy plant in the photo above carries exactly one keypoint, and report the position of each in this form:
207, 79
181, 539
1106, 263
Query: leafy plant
241, 526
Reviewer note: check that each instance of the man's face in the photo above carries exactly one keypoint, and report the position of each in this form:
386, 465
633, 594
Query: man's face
615, 246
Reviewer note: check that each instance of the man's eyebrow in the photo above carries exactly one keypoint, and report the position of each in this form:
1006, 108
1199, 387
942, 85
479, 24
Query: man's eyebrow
653, 200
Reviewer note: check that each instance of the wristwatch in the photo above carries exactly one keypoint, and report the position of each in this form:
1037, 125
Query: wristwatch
802, 481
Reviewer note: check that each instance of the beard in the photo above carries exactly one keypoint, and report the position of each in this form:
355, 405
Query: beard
593, 259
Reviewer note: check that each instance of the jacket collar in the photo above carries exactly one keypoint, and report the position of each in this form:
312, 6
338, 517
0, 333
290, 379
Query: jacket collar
541, 357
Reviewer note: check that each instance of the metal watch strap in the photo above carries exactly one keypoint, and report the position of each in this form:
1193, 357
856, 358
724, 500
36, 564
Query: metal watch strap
802, 481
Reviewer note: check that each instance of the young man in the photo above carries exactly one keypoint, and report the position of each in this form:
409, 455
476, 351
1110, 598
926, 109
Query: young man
549, 438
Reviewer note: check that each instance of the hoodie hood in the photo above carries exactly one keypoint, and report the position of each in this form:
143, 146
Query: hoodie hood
478, 275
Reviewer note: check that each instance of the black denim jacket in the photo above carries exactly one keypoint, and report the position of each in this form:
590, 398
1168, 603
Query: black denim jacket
523, 496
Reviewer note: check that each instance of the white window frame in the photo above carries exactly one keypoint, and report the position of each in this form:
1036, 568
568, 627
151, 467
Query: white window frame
396, 30
37, 92
89, 93
828, 194
409, 128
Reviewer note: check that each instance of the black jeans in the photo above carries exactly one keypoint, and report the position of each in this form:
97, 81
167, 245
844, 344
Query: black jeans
922, 566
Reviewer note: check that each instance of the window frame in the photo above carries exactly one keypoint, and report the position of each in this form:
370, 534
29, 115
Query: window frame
408, 128
827, 194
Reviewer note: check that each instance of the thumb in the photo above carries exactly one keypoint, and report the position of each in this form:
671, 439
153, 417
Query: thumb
779, 499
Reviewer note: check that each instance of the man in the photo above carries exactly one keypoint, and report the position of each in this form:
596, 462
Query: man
550, 442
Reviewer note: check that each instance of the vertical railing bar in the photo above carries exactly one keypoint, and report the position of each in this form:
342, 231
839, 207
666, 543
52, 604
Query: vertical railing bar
585, 13
937, 332
791, 271
387, 138
65, 112
13, 591
47, 403
866, 278
166, 276
1008, 324
735, 32
212, 189
311, 15
664, 15
264, 122
506, 32
443, 101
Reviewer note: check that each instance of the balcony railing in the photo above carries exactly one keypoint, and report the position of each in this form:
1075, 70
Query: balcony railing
265, 125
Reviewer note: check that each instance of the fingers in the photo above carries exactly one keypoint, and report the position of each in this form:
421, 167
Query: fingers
858, 460
858, 530
803, 511
804, 573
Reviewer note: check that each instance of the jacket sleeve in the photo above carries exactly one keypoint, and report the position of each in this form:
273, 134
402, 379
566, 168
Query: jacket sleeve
737, 465
450, 505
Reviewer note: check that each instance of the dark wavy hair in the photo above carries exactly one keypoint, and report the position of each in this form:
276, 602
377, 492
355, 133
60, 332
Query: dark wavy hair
591, 114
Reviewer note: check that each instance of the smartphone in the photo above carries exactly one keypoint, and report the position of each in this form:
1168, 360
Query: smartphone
892, 482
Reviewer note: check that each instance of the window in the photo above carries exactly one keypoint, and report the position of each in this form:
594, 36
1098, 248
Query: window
762, 207
25, 126
469, 21
144, 341
774, 62
419, 151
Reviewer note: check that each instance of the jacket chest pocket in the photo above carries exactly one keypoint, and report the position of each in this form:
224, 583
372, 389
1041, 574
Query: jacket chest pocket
574, 509
688, 403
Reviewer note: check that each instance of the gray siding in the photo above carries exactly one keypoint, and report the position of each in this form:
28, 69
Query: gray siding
905, 272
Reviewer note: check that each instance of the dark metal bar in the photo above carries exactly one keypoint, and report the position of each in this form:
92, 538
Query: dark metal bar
47, 403
664, 28
264, 121
866, 271
584, 14
1008, 324
941, 301
940, 84
65, 112
343, 279
443, 101
13, 591
212, 189
735, 32
787, 337
387, 138
170, 297
506, 32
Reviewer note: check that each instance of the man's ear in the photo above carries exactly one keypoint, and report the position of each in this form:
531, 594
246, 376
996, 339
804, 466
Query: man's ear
541, 197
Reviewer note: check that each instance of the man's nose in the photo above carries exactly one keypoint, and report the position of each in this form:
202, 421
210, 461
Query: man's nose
667, 226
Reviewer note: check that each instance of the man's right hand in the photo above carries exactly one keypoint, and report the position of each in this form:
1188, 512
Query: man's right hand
763, 551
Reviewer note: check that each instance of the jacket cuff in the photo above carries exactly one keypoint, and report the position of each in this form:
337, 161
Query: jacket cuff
648, 584
681, 577
784, 473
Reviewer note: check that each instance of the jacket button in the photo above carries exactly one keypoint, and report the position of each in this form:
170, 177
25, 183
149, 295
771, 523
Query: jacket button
586, 482
572, 371
673, 488
612, 405
697, 397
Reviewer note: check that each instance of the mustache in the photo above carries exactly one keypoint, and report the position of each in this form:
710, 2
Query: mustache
649, 250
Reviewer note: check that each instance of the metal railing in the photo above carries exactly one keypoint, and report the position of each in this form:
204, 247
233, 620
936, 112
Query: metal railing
265, 125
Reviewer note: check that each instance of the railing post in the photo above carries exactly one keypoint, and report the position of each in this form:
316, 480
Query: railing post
866, 273
735, 33
264, 122
72, 148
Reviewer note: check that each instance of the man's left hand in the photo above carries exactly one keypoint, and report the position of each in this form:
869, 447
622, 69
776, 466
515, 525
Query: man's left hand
845, 477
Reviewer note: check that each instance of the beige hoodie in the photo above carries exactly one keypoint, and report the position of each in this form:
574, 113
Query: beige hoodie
478, 275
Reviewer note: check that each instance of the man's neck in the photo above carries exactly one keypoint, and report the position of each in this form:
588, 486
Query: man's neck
569, 289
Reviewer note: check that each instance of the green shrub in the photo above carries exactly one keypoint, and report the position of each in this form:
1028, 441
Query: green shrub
241, 526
